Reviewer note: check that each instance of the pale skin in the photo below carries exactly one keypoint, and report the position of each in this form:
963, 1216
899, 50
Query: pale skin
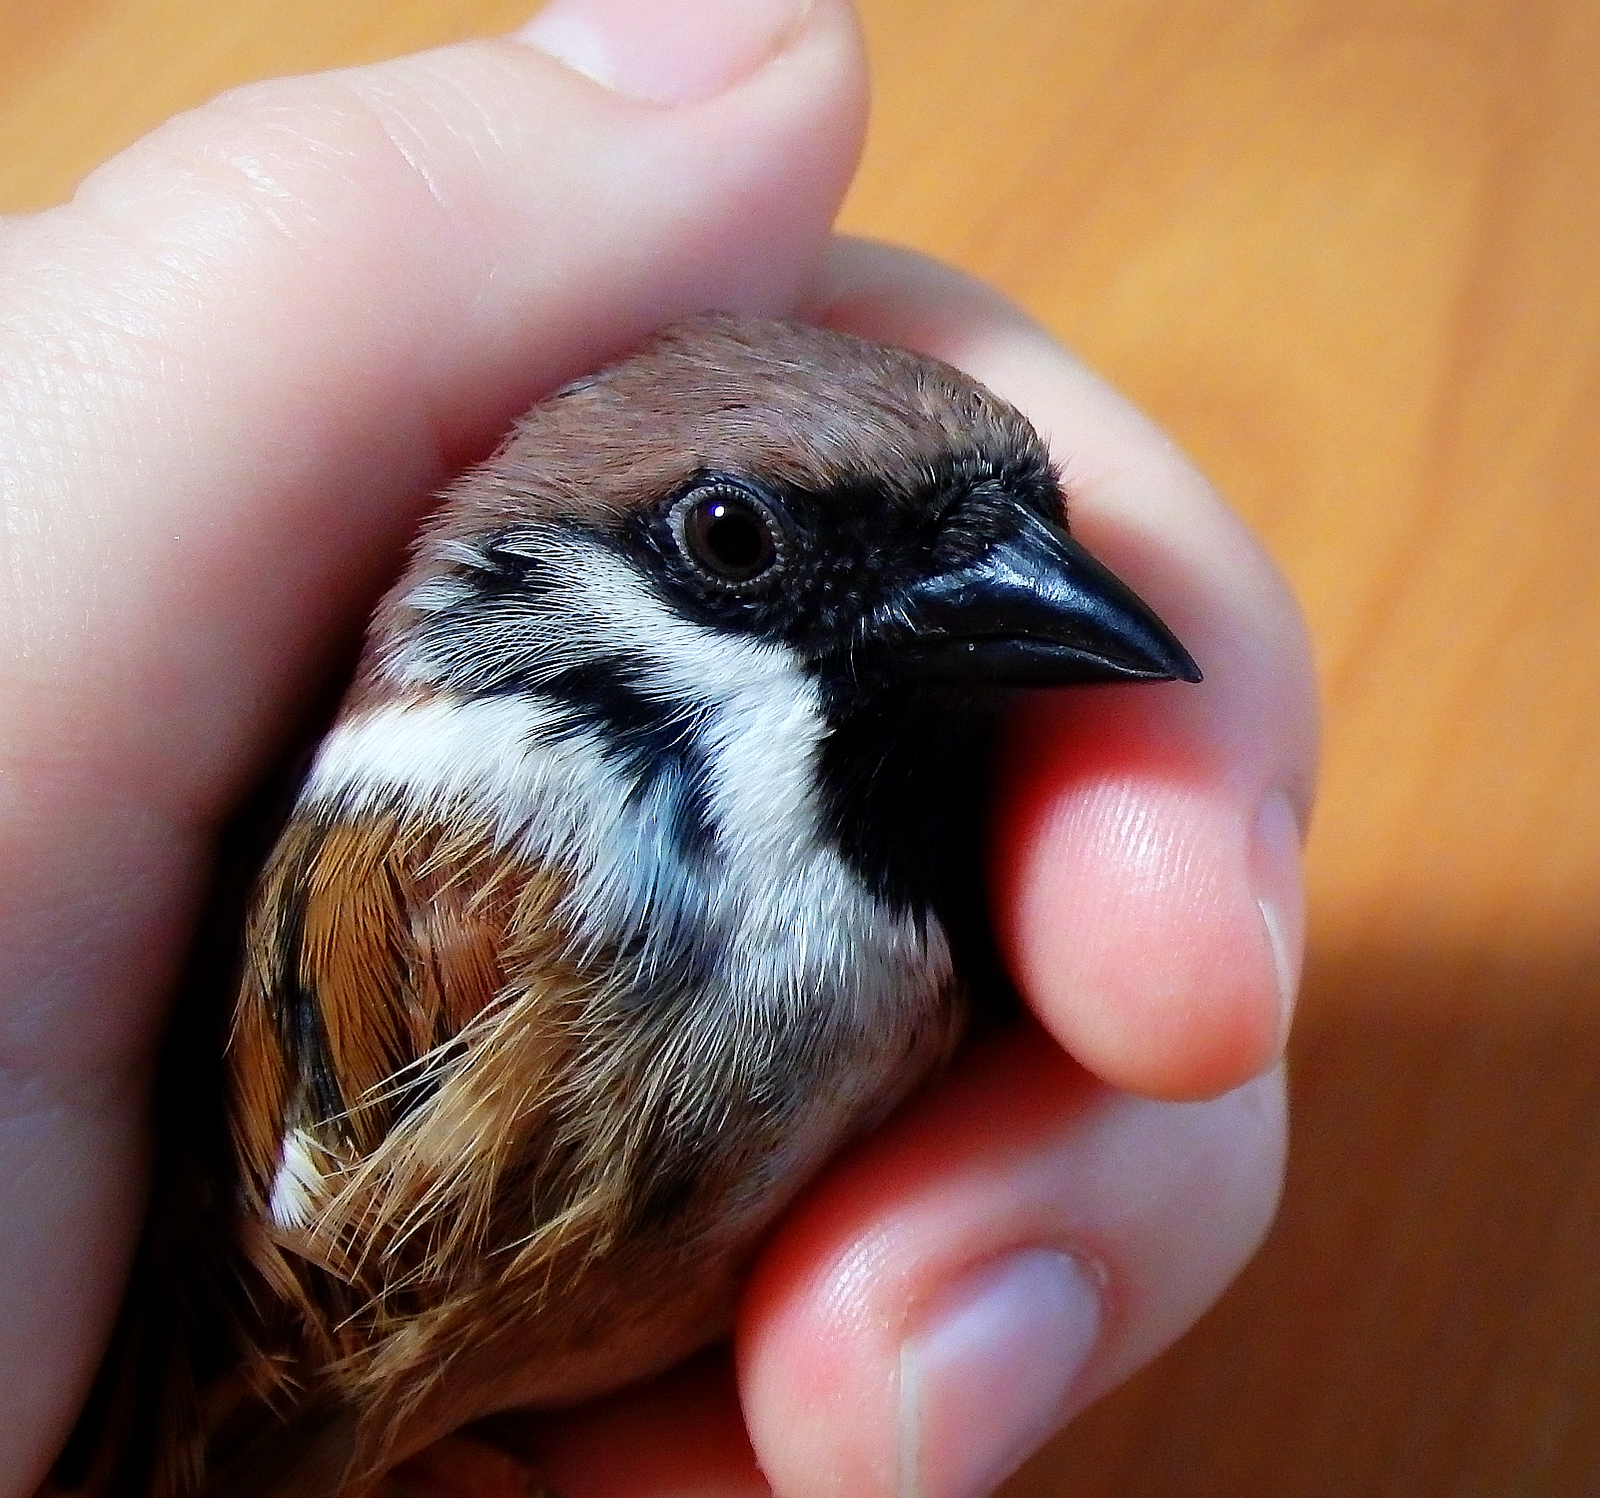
236, 367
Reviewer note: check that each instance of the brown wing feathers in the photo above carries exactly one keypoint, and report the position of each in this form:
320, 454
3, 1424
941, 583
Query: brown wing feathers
489, 1151
409, 1013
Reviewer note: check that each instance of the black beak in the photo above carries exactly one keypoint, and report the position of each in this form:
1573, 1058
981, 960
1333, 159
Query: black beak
1035, 610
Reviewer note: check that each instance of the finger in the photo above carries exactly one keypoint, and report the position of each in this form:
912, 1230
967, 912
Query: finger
235, 367
1024, 1238
934, 1251
1145, 872
253, 344
1015, 1244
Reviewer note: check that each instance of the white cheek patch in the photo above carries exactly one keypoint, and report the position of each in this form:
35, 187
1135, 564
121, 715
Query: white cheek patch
611, 603
763, 744
505, 762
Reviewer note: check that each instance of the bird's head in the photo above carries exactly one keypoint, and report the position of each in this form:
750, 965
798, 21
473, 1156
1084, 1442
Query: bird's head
877, 517
746, 509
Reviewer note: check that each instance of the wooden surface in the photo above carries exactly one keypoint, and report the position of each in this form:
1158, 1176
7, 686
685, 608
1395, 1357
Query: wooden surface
1349, 251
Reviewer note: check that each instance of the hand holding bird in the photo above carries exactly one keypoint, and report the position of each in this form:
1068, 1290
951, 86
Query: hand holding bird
315, 590
640, 872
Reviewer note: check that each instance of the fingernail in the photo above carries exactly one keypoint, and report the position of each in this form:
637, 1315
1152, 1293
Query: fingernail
664, 51
984, 1377
1280, 896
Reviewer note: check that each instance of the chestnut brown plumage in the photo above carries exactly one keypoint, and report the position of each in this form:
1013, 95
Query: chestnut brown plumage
637, 874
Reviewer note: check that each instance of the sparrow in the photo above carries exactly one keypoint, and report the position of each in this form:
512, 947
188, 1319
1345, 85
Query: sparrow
639, 871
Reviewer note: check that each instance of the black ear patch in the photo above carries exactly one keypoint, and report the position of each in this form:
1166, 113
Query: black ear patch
657, 742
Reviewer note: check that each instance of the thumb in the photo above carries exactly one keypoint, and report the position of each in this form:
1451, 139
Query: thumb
288, 315
234, 367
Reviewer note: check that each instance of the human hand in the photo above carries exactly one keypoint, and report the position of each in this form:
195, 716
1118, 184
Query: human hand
236, 367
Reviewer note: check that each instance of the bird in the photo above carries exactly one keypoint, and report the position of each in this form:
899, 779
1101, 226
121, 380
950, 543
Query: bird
639, 871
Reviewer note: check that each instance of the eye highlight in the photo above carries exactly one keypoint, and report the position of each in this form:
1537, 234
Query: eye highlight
729, 536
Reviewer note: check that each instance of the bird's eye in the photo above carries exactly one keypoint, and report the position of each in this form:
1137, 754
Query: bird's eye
728, 535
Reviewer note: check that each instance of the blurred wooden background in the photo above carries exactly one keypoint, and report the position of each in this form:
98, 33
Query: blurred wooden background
1349, 252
